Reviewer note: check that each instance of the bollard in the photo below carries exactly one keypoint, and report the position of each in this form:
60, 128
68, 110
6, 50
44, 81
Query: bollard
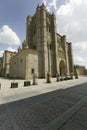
48, 78
14, 85
34, 79
58, 77
27, 83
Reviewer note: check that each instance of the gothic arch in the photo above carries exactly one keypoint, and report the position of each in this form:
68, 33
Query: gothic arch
62, 68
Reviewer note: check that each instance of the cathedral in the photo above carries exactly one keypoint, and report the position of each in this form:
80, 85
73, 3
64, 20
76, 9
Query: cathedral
44, 50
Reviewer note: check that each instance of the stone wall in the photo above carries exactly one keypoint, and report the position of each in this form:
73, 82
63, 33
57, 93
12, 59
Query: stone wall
22, 63
6, 62
81, 70
17, 65
31, 65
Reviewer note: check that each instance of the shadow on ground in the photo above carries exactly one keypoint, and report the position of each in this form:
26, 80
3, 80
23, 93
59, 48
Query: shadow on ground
35, 112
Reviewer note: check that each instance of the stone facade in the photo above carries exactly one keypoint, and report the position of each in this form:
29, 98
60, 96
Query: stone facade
81, 70
24, 64
7, 55
54, 52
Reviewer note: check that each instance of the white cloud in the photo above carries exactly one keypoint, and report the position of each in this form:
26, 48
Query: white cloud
53, 4
65, 10
80, 53
8, 36
50, 4
80, 47
79, 60
1, 53
11, 49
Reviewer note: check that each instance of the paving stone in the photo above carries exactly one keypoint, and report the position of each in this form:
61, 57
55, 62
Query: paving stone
41, 113
72, 126
5, 122
81, 116
35, 112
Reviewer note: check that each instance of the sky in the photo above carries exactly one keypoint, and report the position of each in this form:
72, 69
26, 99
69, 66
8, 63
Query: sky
71, 20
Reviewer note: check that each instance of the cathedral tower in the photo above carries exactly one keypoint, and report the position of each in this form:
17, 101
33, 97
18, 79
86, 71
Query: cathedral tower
41, 35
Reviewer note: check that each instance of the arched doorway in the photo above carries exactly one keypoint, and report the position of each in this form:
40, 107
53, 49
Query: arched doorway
62, 68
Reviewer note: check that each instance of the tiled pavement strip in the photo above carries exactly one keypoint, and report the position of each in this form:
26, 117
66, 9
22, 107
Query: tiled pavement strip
55, 106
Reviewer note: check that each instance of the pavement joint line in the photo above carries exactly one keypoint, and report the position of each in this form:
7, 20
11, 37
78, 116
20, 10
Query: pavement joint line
58, 122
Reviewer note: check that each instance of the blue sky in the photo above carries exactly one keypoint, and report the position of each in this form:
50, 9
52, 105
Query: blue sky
14, 12
71, 20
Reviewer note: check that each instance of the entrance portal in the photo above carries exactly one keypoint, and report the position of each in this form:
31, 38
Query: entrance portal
62, 68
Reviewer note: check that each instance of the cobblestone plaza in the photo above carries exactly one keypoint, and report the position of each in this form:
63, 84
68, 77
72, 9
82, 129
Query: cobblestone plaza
55, 106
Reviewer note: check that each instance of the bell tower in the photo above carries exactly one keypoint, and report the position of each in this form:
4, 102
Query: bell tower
41, 35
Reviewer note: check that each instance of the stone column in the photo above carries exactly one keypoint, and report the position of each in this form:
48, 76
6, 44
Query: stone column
71, 66
28, 24
44, 40
54, 46
48, 46
66, 54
